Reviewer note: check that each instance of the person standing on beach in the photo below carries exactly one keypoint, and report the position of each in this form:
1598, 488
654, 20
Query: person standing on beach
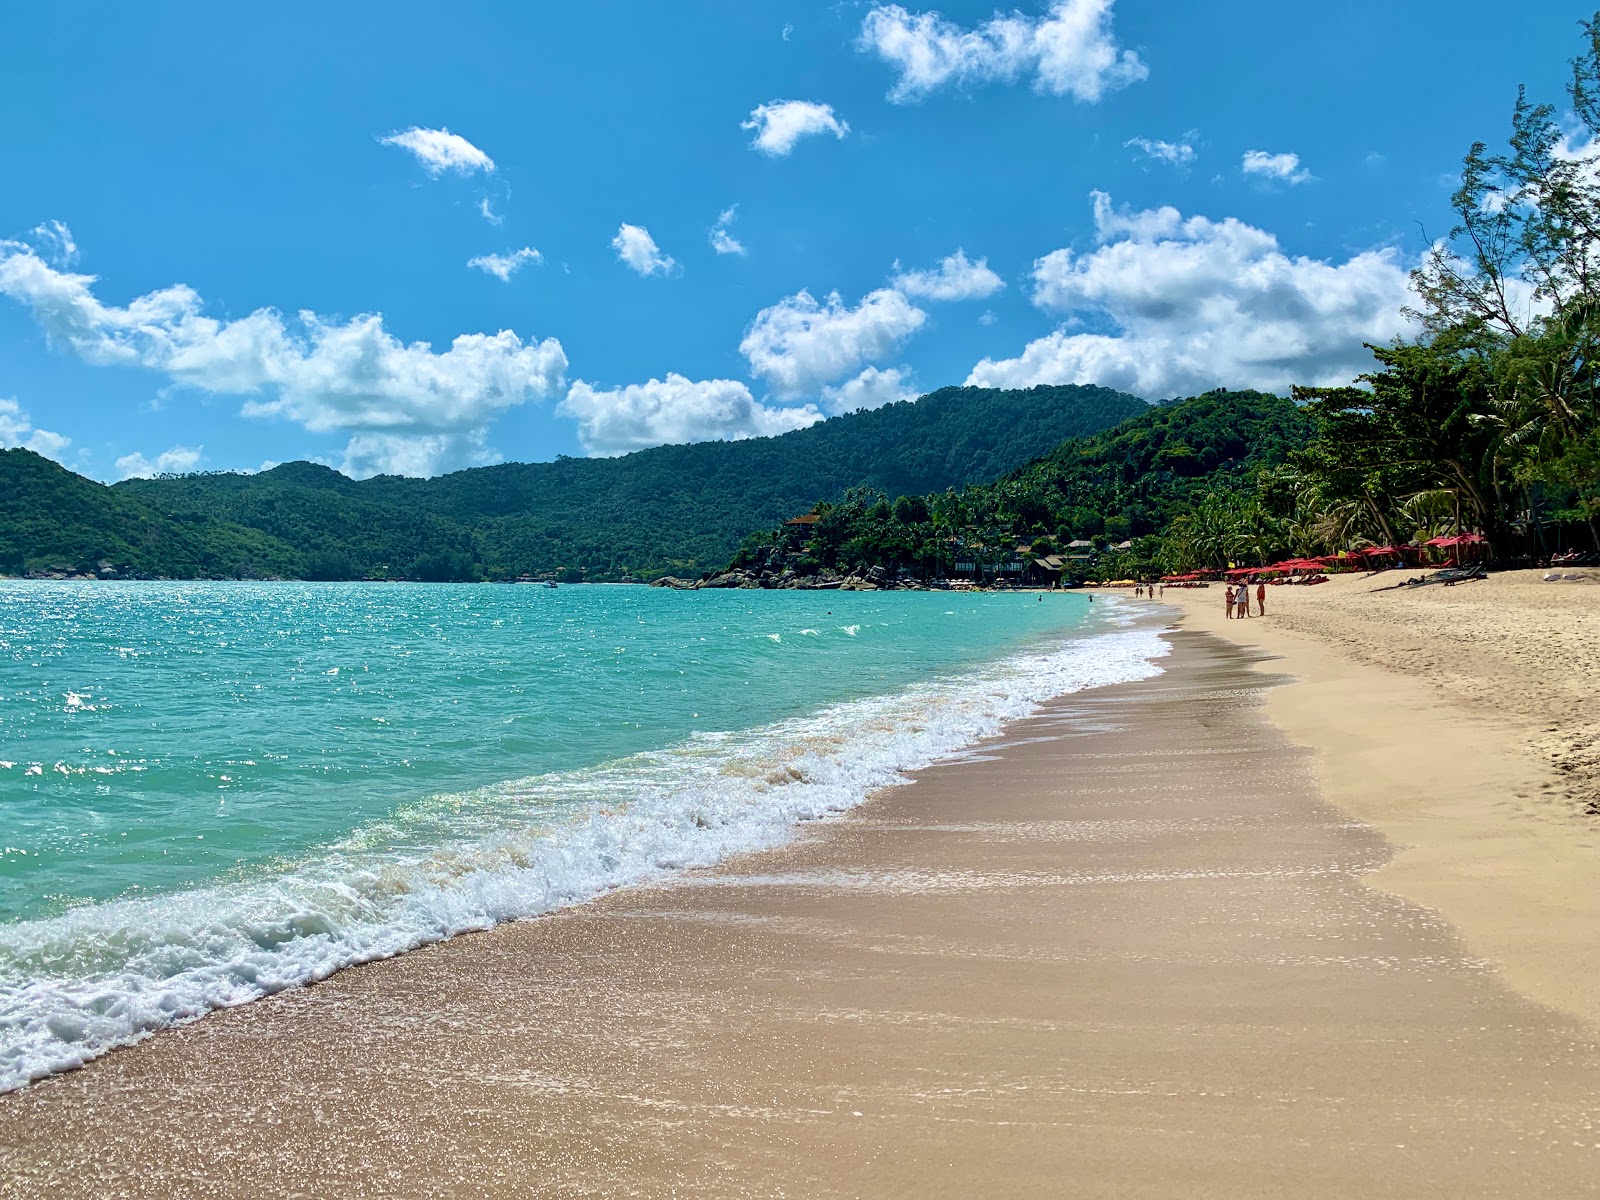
1227, 606
1261, 599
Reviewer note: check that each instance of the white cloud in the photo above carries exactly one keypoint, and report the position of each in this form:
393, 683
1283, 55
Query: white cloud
788, 31
1285, 168
1194, 304
1177, 154
956, 278
722, 241
870, 389
988, 317
1070, 52
488, 213
798, 345
439, 150
673, 411
329, 377
52, 240
504, 266
638, 249
17, 431
782, 123
176, 461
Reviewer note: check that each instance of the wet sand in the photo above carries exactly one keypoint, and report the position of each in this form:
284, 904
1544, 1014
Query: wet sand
1125, 951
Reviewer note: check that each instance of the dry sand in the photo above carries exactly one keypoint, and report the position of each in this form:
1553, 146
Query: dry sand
1126, 951
1463, 723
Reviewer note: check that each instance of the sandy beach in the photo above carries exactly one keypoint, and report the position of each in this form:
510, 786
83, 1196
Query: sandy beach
1462, 723
1129, 949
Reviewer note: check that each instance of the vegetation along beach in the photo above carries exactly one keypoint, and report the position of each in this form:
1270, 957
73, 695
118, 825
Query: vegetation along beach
586, 719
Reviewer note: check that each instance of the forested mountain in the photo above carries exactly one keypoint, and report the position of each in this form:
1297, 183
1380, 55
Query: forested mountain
1123, 484
678, 509
54, 521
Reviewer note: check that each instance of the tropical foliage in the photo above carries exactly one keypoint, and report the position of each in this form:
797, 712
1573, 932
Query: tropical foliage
1490, 421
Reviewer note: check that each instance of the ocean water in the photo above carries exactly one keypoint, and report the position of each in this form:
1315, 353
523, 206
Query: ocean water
211, 792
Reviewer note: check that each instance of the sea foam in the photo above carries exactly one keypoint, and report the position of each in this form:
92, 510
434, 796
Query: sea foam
76, 985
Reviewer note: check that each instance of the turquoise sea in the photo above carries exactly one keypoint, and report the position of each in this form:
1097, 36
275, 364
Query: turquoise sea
212, 791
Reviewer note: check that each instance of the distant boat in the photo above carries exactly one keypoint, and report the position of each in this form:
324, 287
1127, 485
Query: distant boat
551, 583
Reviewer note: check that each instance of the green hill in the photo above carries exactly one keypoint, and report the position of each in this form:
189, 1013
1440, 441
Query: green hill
1114, 486
1133, 479
52, 521
677, 509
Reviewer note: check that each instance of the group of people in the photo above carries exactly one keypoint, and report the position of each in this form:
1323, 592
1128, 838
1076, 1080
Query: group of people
1238, 600
1148, 590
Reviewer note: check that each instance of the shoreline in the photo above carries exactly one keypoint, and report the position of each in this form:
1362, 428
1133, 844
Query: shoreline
110, 973
1125, 943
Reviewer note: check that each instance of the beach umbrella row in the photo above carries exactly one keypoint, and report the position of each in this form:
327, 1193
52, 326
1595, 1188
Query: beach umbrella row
1348, 558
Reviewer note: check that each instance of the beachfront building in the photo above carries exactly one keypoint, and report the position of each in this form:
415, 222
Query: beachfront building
1046, 571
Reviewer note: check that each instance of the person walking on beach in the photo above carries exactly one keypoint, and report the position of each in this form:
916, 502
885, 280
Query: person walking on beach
1261, 599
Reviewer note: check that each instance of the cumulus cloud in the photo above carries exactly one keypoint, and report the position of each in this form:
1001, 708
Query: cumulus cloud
722, 241
636, 248
782, 123
439, 150
1284, 168
1177, 154
870, 389
797, 344
672, 411
404, 404
17, 431
1069, 52
1193, 303
176, 461
956, 278
504, 266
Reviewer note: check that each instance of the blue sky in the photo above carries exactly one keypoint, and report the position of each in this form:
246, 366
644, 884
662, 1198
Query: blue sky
234, 236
